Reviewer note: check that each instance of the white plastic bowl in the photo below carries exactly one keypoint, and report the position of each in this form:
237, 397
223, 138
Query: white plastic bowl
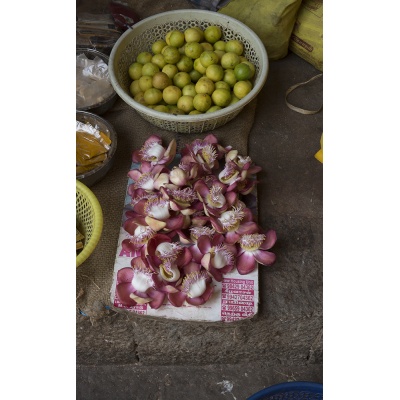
144, 33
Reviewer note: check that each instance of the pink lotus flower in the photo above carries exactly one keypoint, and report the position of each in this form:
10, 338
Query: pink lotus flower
153, 153
205, 153
167, 258
238, 173
149, 179
155, 212
194, 232
183, 200
135, 285
196, 289
140, 235
216, 256
235, 223
253, 250
201, 208
213, 194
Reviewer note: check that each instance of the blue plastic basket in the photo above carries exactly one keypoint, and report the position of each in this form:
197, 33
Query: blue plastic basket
290, 391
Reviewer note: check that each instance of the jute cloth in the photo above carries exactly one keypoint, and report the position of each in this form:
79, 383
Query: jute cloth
94, 277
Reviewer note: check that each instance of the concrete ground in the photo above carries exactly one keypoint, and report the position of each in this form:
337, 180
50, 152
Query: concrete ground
121, 357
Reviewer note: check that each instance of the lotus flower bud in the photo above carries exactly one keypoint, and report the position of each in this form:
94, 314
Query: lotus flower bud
178, 176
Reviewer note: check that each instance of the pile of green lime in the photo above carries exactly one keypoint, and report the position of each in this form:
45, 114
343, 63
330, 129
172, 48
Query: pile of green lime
191, 72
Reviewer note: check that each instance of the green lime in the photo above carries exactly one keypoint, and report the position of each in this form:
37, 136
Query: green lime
202, 102
134, 88
234, 46
242, 89
152, 96
215, 72
212, 34
229, 60
193, 35
242, 72
144, 57
185, 103
193, 50
158, 45
219, 45
171, 54
135, 70
176, 39
221, 97
213, 109
185, 64
181, 79
208, 58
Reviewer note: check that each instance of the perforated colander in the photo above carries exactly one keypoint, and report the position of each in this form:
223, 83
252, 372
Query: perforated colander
144, 33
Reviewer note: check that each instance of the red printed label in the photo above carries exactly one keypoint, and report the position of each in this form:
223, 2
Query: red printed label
237, 300
138, 309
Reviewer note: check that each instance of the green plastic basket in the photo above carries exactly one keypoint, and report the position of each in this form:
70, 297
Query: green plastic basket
89, 220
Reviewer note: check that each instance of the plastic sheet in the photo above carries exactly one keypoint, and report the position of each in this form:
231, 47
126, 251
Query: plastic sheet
92, 81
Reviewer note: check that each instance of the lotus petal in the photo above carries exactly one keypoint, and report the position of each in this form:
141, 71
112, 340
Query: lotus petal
270, 240
175, 223
247, 228
201, 188
207, 294
231, 237
125, 275
169, 289
145, 166
188, 211
195, 301
217, 239
170, 152
136, 156
155, 224
246, 263
130, 225
161, 180
177, 299
191, 267
124, 290
217, 274
254, 169
153, 138
206, 261
140, 300
204, 244
155, 241
211, 138
231, 155
196, 253
185, 257
264, 257
128, 246
231, 198
157, 298
139, 207
134, 174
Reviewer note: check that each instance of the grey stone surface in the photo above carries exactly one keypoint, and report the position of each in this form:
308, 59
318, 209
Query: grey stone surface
283, 143
233, 382
119, 355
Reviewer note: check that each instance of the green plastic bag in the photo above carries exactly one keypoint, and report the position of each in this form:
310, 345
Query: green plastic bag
272, 21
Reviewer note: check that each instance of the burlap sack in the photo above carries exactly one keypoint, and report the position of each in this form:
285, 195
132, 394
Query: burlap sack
94, 277
272, 21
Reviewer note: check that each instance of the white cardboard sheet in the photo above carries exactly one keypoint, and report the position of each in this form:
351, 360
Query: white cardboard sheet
233, 299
